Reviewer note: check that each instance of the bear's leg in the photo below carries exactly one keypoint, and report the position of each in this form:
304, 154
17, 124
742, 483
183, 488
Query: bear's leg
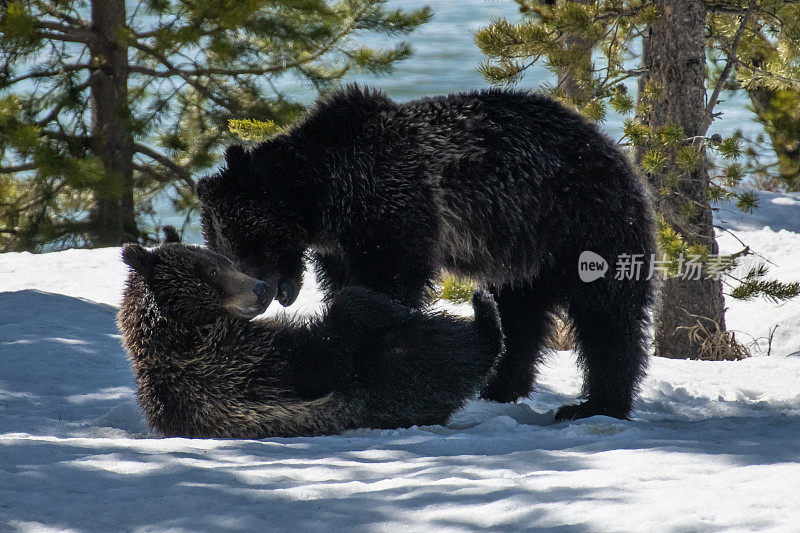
332, 272
402, 272
526, 317
610, 322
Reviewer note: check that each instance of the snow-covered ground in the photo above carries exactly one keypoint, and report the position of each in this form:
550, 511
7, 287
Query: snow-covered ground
713, 445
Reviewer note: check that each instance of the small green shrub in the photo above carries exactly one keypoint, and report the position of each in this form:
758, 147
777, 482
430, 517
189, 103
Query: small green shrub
455, 290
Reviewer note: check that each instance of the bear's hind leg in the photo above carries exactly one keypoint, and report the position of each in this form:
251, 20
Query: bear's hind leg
610, 321
527, 321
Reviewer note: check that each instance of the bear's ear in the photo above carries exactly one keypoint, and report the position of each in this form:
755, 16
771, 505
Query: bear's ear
203, 189
236, 158
138, 258
170, 235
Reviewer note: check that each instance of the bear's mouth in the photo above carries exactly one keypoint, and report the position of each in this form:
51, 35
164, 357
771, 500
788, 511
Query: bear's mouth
250, 297
251, 312
246, 312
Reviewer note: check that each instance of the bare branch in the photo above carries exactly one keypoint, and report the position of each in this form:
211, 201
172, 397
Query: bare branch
70, 37
60, 136
65, 33
17, 168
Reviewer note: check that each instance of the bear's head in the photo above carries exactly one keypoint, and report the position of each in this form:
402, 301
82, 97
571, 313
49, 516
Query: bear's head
192, 283
253, 212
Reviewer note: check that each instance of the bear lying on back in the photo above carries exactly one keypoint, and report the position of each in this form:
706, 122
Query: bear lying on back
205, 370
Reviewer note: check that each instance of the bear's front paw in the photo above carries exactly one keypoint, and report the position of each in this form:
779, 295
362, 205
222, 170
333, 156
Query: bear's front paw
504, 392
585, 410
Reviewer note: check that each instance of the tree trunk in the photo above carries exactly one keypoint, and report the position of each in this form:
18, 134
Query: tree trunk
674, 56
112, 220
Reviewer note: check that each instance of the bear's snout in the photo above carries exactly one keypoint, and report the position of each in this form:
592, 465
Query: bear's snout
247, 296
287, 293
262, 293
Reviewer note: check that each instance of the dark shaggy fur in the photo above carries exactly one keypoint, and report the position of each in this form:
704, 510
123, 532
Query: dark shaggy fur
366, 362
504, 187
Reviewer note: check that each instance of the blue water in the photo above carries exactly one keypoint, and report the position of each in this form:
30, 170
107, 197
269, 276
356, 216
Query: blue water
446, 60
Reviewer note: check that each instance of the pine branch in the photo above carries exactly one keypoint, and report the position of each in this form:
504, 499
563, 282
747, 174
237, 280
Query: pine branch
173, 70
43, 200
793, 82
726, 8
179, 15
55, 12
326, 47
188, 76
723, 77
613, 12
161, 58
53, 114
772, 290
208, 71
169, 26
163, 160
208, 57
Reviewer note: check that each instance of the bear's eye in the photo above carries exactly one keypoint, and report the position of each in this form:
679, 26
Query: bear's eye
213, 275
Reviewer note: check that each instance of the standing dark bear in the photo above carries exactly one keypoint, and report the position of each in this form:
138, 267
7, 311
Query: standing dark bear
505, 187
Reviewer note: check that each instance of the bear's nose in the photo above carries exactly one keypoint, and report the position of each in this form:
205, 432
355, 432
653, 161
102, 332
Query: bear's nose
260, 289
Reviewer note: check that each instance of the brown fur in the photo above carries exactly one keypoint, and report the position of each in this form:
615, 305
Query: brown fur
367, 362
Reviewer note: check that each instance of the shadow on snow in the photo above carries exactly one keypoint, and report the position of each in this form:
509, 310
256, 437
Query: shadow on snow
64, 374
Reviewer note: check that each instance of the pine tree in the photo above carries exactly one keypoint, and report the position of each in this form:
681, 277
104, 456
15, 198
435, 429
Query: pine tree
766, 61
778, 111
104, 108
671, 115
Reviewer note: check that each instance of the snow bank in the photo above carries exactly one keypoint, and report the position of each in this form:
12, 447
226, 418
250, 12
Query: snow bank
712, 445
773, 233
